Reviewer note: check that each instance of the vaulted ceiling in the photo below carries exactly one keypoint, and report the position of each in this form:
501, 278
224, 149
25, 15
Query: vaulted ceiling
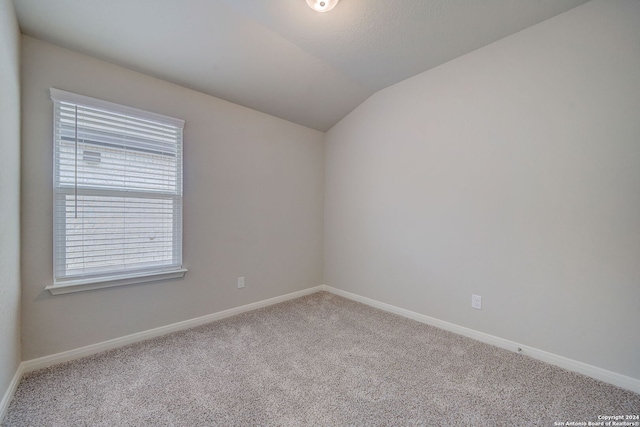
280, 56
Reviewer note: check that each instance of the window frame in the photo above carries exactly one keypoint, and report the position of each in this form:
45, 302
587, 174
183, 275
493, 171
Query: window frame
63, 283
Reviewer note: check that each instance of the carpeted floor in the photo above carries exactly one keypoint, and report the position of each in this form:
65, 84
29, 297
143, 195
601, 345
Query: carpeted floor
320, 360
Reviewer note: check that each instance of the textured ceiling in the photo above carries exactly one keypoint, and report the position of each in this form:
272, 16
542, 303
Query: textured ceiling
279, 56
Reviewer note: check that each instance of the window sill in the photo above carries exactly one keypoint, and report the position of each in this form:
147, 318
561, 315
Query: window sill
80, 285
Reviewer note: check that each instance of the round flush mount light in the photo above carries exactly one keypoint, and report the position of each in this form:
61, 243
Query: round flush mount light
322, 5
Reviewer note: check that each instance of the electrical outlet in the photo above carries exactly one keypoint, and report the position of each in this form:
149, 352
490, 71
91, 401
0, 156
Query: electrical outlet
476, 302
240, 282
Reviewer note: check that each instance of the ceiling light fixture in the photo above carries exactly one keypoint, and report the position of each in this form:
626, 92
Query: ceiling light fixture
322, 5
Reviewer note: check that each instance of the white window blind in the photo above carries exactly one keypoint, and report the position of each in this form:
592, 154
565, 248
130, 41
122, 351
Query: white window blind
117, 191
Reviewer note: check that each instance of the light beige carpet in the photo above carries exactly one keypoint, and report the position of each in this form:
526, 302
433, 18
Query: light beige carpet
320, 360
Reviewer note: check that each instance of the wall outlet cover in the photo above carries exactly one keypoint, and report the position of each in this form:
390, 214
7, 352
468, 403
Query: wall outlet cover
476, 302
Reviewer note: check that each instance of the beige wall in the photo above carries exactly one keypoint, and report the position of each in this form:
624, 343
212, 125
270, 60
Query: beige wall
9, 195
253, 197
513, 173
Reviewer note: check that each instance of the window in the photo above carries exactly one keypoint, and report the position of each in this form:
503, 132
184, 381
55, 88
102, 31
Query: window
117, 206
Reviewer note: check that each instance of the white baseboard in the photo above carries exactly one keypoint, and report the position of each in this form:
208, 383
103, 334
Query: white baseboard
65, 356
8, 395
619, 380
616, 379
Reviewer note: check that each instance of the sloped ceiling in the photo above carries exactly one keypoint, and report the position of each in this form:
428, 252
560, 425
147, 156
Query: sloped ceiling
279, 56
